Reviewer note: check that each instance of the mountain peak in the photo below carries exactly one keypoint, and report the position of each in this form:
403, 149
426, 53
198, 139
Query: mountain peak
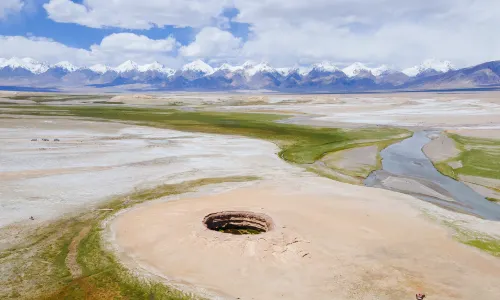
198, 66
325, 66
26, 63
249, 64
228, 67
156, 67
66, 65
383, 69
428, 65
285, 71
100, 68
127, 67
261, 67
355, 69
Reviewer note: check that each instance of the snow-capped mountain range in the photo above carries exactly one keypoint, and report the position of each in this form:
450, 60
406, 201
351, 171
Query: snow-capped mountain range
250, 75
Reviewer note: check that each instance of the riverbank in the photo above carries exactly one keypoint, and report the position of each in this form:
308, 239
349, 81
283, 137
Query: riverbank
471, 156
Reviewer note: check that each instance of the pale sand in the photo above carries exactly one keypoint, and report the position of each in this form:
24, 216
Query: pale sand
331, 241
354, 160
441, 148
486, 192
479, 133
488, 182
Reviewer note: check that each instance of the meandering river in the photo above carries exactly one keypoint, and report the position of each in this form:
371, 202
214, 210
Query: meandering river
406, 161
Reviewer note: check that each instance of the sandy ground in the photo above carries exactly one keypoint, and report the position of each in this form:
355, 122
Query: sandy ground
94, 161
331, 241
355, 160
441, 148
413, 186
479, 133
482, 190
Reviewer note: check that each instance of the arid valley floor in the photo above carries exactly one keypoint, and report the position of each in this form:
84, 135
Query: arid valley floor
371, 196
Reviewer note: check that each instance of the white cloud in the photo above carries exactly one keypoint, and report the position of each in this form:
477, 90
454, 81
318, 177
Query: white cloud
401, 32
132, 44
113, 50
8, 7
39, 48
134, 14
116, 48
211, 42
285, 32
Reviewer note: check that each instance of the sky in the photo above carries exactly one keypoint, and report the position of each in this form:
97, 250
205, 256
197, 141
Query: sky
399, 33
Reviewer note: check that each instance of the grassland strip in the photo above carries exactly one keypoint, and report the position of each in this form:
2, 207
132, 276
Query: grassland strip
299, 144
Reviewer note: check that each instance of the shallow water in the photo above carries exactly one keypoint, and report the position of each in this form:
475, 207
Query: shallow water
406, 159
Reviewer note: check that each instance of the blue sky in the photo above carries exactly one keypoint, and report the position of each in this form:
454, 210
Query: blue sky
398, 33
34, 21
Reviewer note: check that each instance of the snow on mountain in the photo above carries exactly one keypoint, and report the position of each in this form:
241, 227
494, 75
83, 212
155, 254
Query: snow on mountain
325, 66
248, 64
100, 69
285, 71
260, 68
253, 75
66, 65
427, 65
27, 63
127, 67
383, 69
198, 66
229, 68
156, 67
303, 71
355, 69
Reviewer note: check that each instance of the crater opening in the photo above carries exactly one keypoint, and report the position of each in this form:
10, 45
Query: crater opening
238, 222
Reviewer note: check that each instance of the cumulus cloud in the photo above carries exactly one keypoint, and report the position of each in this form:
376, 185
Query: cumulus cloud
400, 32
132, 45
133, 14
39, 48
211, 42
285, 32
113, 50
8, 7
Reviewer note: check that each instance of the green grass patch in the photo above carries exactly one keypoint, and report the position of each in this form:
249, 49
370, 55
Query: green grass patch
54, 97
491, 246
107, 102
299, 144
492, 199
479, 157
445, 169
478, 240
